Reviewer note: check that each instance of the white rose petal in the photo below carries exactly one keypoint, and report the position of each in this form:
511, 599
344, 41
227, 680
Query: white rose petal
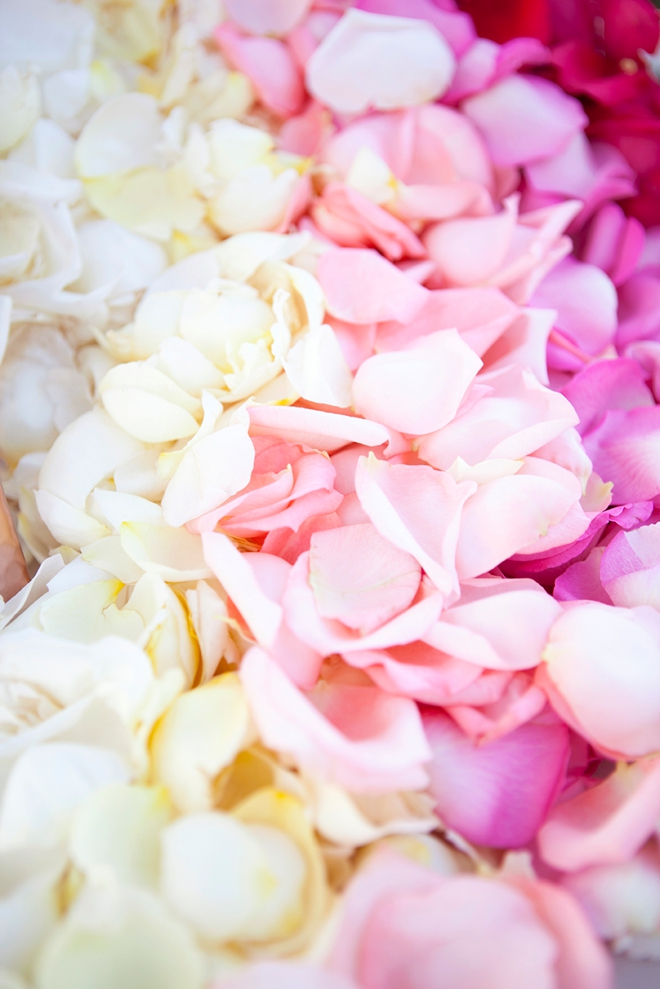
19, 105
121, 135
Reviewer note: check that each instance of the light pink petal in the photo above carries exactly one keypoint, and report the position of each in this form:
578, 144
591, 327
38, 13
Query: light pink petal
506, 515
496, 794
524, 119
602, 675
471, 250
605, 824
518, 417
583, 962
374, 61
524, 343
352, 220
329, 635
404, 926
481, 316
303, 134
416, 670
355, 736
456, 26
507, 624
419, 510
475, 70
419, 389
586, 303
259, 608
360, 578
269, 65
521, 701
320, 430
442, 202
362, 287
276, 17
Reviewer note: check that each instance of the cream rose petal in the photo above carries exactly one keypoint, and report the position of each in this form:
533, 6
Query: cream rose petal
200, 735
116, 833
232, 881
123, 134
118, 936
19, 105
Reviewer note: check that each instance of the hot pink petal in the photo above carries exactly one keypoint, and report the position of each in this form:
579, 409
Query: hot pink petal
582, 581
496, 794
418, 389
525, 119
605, 824
353, 735
418, 509
624, 449
362, 287
605, 385
614, 242
586, 303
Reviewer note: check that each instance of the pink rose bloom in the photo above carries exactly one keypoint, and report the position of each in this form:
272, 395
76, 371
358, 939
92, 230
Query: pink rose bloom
405, 927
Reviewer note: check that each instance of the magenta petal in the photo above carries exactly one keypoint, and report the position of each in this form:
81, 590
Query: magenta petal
496, 794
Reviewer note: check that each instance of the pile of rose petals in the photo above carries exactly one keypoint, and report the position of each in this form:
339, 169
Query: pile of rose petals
330, 428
